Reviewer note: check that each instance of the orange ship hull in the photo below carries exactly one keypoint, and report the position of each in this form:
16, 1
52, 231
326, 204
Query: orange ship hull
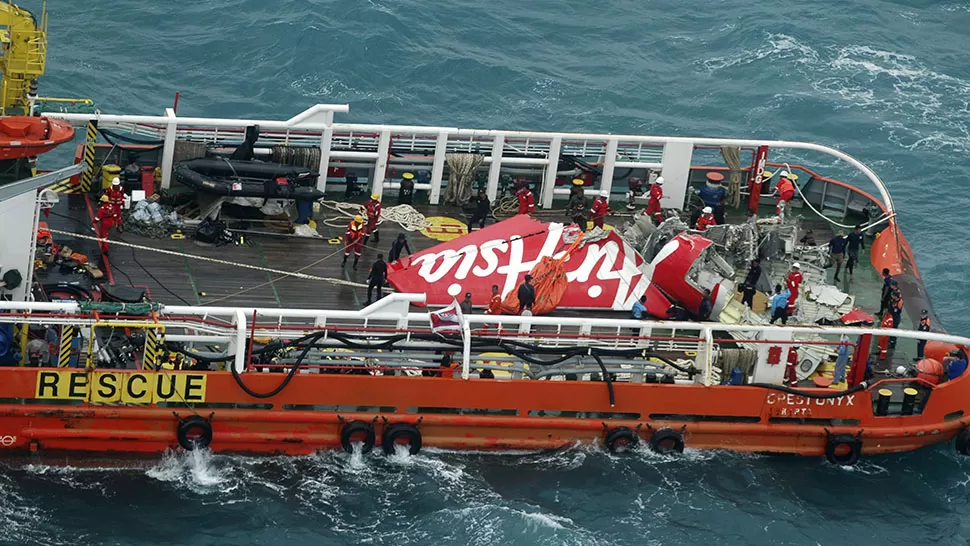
311, 413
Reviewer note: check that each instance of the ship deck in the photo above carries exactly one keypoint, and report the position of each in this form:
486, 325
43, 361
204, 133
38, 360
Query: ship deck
176, 280
173, 279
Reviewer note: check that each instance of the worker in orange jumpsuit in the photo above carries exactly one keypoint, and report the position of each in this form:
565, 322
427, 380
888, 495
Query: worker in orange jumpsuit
792, 281
373, 208
706, 219
653, 204
116, 195
495, 302
107, 217
791, 377
354, 239
600, 208
527, 201
785, 189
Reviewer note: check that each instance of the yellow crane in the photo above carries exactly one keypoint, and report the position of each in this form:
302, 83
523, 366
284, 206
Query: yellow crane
23, 56
23, 59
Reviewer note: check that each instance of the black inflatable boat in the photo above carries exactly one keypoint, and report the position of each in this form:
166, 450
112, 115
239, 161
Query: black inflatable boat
234, 178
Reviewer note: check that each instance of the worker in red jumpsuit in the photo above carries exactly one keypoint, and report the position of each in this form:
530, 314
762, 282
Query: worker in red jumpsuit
354, 239
792, 281
791, 377
116, 195
600, 208
527, 202
106, 218
706, 219
785, 189
656, 194
373, 208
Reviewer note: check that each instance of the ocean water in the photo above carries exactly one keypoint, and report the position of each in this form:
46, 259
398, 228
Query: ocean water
886, 81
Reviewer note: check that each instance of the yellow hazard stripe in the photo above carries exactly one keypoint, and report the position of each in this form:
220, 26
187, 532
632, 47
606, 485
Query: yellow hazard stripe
67, 336
91, 139
151, 349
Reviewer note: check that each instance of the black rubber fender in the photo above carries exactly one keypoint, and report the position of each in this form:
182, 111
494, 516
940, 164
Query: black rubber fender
355, 428
621, 439
835, 446
395, 434
667, 440
963, 442
194, 432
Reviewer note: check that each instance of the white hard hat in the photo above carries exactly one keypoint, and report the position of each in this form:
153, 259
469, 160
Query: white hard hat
708, 210
604, 193
660, 180
901, 370
796, 265
115, 182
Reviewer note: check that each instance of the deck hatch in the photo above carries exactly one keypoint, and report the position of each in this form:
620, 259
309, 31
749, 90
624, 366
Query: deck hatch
813, 421
464, 411
692, 418
583, 414
340, 409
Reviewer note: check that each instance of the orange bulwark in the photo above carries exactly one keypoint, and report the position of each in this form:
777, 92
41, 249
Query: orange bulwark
344, 383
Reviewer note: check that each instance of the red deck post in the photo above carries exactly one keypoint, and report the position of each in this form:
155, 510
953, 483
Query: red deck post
860, 359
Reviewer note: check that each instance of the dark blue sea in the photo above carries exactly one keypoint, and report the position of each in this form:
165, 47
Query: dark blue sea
886, 81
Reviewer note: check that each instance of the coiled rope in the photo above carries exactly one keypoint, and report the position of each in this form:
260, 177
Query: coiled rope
404, 215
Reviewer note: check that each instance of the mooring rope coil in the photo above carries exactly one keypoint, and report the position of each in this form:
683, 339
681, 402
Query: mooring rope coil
405, 215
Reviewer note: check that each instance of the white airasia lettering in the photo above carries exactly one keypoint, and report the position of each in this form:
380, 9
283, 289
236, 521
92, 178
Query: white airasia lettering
605, 260
488, 252
448, 258
775, 399
469, 255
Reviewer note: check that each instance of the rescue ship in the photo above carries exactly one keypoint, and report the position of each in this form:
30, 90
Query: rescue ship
141, 315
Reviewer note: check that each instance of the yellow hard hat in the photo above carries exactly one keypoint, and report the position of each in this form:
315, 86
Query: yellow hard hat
375, 196
358, 218
104, 199
407, 176
578, 181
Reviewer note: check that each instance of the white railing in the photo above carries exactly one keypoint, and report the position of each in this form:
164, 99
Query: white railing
370, 144
391, 315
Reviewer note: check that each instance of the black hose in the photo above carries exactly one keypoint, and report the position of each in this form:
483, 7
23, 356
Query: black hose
286, 380
515, 348
860, 387
608, 379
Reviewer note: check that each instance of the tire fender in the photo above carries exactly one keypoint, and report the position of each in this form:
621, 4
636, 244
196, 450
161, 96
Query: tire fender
835, 447
621, 439
356, 428
396, 433
194, 432
667, 440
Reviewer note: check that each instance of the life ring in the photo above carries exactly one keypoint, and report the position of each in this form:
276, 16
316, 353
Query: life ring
667, 440
194, 432
401, 434
351, 433
843, 449
963, 442
621, 439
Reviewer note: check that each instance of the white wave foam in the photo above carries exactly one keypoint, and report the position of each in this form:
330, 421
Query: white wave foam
779, 47
917, 106
195, 469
